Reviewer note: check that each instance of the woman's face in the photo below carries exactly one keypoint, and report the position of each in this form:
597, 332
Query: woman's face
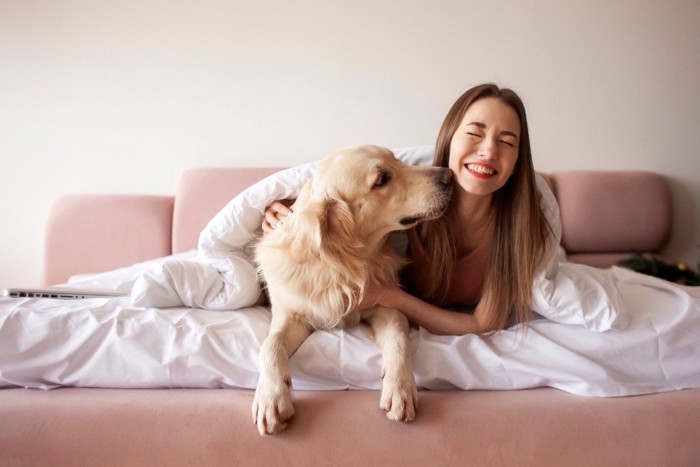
484, 149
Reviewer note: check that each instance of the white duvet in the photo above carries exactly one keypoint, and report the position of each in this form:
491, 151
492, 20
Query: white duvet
177, 328
108, 342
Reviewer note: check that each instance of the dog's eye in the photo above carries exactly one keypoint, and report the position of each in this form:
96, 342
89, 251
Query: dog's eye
382, 180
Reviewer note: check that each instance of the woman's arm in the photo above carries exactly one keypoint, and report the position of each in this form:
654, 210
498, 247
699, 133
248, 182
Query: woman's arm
432, 318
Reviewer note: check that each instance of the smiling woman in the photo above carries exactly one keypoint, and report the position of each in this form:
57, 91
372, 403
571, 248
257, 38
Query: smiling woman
487, 250
485, 148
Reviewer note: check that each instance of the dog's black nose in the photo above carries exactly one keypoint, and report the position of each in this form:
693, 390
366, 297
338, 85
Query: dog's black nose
444, 177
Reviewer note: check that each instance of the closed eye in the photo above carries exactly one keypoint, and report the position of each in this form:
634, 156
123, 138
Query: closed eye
509, 143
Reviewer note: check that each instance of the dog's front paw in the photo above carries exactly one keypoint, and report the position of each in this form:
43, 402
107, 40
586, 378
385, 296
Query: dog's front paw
399, 396
272, 406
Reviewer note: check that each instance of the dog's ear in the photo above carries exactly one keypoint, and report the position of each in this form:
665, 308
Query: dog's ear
305, 230
336, 222
322, 227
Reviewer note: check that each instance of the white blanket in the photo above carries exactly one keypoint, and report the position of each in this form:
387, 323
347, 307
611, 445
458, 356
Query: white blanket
46, 343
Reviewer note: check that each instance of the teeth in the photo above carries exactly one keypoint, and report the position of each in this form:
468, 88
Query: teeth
480, 169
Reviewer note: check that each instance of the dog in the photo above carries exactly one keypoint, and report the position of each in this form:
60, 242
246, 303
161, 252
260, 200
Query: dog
316, 265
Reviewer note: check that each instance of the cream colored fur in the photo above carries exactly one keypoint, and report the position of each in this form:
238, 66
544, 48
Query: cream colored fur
318, 263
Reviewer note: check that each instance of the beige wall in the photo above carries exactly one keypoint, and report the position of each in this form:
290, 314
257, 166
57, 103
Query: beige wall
122, 97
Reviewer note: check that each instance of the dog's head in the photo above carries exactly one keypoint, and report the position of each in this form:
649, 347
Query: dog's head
363, 193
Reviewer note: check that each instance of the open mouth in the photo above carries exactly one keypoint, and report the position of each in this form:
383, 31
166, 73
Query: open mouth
481, 170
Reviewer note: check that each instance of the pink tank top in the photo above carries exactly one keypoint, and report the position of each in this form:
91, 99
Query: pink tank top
467, 275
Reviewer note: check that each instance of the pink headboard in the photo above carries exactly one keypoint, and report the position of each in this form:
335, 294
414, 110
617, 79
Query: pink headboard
202, 193
96, 233
605, 216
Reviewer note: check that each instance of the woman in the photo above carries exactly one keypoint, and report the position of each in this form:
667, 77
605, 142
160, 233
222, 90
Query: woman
485, 253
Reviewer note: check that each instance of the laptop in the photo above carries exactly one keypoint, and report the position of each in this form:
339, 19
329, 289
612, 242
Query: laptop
65, 293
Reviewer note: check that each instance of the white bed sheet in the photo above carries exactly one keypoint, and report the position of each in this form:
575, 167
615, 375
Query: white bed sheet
48, 343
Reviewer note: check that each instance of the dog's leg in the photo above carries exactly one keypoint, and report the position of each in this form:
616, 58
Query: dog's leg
272, 406
399, 396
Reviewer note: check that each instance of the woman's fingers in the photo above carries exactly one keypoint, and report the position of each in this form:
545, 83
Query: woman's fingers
274, 216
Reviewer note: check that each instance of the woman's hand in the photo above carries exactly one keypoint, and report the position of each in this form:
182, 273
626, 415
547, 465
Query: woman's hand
373, 296
275, 214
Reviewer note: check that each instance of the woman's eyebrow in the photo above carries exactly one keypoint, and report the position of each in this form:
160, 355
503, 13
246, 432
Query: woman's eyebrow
483, 127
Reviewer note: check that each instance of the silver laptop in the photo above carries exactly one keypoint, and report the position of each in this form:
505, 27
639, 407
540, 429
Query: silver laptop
65, 293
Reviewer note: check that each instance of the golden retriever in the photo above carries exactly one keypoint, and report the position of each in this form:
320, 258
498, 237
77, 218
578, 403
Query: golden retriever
317, 263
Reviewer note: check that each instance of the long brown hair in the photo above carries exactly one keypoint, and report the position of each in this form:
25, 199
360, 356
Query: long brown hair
520, 229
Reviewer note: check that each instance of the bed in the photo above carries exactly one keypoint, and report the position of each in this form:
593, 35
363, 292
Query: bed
106, 382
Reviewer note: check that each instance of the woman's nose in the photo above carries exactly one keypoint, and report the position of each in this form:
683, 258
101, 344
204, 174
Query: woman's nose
488, 149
